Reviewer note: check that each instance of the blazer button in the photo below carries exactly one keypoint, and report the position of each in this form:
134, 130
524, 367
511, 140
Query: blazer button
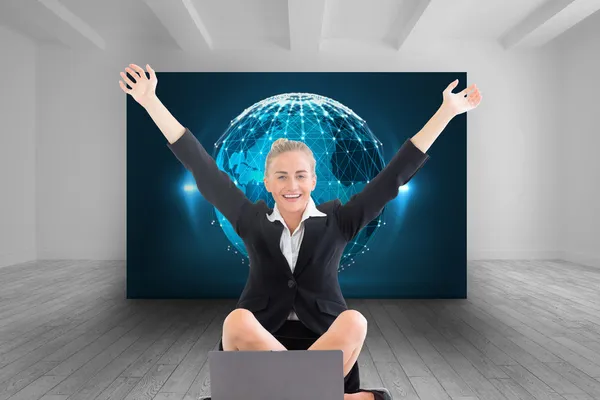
291, 283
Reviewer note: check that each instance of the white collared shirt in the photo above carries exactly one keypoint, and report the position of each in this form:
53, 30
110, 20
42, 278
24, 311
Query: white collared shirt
290, 241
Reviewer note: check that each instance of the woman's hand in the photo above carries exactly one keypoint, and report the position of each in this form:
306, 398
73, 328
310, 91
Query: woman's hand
458, 103
143, 89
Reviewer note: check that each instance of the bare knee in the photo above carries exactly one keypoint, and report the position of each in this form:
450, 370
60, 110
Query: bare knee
355, 324
239, 324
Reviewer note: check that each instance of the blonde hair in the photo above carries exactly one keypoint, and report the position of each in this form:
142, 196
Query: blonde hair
282, 145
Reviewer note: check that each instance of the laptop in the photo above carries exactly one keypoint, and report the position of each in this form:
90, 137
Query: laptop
277, 375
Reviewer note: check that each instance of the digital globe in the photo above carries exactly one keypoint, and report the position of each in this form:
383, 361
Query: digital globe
347, 153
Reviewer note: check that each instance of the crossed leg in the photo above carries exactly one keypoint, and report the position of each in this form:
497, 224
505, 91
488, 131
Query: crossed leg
346, 333
242, 331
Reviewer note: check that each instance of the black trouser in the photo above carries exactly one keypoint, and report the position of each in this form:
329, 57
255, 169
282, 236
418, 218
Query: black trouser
294, 335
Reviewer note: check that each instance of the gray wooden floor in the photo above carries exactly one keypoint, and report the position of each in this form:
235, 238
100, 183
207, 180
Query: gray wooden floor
529, 330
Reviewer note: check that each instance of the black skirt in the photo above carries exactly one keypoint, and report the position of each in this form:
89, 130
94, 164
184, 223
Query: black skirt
294, 335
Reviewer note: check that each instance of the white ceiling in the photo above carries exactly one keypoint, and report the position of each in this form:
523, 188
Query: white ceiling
294, 25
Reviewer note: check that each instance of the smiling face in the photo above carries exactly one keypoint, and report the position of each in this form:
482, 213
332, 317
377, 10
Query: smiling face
290, 180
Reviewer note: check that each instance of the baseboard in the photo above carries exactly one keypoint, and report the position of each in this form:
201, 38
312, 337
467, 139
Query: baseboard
569, 256
8, 259
589, 260
515, 255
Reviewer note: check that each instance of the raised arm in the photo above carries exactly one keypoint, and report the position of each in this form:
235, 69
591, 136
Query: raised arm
363, 207
215, 185
143, 90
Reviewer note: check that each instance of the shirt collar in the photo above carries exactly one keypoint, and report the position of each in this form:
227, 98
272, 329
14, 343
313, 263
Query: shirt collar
310, 211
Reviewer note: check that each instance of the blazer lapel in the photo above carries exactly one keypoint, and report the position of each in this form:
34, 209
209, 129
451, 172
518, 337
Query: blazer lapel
273, 231
313, 229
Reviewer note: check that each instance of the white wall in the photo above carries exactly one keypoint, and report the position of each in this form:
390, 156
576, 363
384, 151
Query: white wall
533, 169
81, 168
513, 140
579, 180
17, 148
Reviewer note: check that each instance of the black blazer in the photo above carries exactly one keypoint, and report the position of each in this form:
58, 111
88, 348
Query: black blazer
313, 289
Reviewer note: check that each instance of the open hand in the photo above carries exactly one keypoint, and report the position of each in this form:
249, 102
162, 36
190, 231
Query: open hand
458, 103
142, 89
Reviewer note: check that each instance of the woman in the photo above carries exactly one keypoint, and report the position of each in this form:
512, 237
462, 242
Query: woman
292, 299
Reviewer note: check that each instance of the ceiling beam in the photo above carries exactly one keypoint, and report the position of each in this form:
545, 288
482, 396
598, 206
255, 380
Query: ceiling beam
548, 21
75, 23
183, 22
306, 23
402, 27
